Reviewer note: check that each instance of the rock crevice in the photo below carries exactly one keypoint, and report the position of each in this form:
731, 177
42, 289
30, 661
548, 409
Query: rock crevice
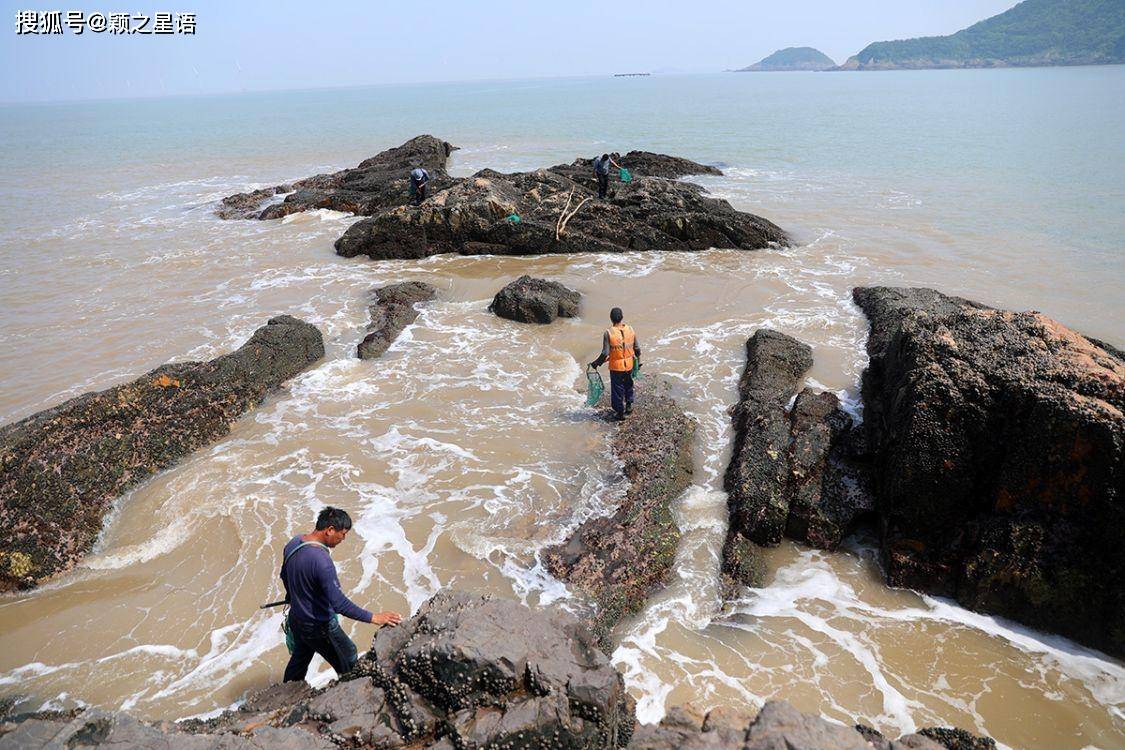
795, 472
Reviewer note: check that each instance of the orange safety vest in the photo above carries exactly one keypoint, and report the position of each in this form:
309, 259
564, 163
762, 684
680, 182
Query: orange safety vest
621, 340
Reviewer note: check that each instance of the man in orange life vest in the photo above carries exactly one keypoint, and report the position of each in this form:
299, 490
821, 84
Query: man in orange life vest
620, 347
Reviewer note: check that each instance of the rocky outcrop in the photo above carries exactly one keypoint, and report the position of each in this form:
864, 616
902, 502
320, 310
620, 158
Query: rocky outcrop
622, 559
61, 469
466, 672
558, 212
639, 163
379, 182
997, 440
794, 472
394, 309
529, 300
546, 211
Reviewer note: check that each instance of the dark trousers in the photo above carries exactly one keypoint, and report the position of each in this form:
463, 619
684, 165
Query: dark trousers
325, 638
603, 185
420, 192
621, 390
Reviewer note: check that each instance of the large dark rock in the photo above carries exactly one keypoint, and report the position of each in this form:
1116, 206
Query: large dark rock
622, 559
530, 300
61, 469
394, 309
794, 472
378, 182
997, 441
497, 675
558, 212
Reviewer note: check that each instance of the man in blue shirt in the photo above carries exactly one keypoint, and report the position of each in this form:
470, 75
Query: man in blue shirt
313, 591
419, 180
601, 171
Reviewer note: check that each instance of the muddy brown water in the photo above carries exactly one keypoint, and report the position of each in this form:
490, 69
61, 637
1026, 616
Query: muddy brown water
466, 449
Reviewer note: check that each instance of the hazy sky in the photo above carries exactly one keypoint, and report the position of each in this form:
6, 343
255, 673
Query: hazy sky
246, 45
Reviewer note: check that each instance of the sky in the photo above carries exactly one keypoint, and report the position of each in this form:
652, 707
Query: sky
255, 45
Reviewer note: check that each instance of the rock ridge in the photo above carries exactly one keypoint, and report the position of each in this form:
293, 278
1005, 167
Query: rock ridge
61, 469
621, 559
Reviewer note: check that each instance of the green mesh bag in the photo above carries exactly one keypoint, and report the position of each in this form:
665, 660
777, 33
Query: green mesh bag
594, 386
636, 373
625, 176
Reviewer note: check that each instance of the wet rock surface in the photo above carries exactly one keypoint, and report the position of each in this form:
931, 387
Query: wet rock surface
531, 300
378, 182
393, 310
622, 559
795, 472
61, 469
466, 672
997, 439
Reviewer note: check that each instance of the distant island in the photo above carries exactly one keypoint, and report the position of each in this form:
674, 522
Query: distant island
1033, 33
791, 58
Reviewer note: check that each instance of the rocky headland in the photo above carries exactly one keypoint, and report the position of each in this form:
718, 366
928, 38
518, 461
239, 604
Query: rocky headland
619, 560
530, 300
61, 469
395, 308
554, 210
1031, 33
458, 676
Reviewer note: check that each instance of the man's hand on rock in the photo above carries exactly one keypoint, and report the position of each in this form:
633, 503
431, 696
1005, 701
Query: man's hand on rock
386, 618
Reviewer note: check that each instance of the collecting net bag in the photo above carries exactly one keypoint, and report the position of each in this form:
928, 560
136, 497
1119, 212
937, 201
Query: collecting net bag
594, 386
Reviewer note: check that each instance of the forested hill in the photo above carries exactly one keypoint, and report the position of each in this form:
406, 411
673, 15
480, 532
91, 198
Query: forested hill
1035, 32
792, 58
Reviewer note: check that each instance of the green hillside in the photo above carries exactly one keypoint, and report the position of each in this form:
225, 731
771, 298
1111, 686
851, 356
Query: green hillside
1035, 32
792, 58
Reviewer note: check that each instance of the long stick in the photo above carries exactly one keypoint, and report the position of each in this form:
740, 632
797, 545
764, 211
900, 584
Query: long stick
558, 222
572, 213
274, 604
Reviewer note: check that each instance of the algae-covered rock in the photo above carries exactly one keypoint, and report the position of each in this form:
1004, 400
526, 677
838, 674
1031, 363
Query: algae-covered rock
622, 559
997, 440
61, 469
